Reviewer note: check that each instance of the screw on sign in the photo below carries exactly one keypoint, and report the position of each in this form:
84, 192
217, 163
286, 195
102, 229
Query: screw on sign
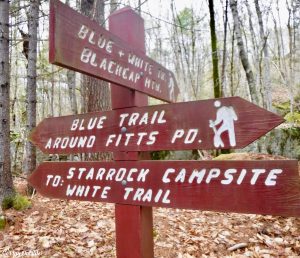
260, 187
226, 123
97, 52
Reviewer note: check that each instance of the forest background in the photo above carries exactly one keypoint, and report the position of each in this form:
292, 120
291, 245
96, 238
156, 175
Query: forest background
220, 48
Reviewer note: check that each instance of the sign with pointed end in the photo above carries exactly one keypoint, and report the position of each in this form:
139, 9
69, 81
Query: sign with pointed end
80, 44
227, 123
260, 187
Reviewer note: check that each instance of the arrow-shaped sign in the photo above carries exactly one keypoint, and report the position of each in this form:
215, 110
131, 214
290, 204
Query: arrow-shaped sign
78, 43
260, 187
207, 124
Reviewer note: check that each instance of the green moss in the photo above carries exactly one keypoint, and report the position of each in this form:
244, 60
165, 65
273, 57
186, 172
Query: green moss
2, 222
293, 117
21, 202
18, 202
7, 202
285, 106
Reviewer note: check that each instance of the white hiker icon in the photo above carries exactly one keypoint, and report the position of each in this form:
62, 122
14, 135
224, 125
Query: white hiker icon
226, 116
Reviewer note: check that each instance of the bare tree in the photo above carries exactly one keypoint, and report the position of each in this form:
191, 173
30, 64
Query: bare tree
95, 92
214, 50
33, 19
223, 85
71, 81
265, 75
6, 183
243, 53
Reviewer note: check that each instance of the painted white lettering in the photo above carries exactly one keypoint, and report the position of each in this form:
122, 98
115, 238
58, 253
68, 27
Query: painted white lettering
86, 55
91, 141
109, 140
90, 174
152, 138
213, 173
64, 142
100, 122
128, 190
74, 125
82, 141
147, 196
100, 174
120, 174
138, 194
181, 176
178, 134
141, 136
128, 136
191, 135
49, 143
111, 64
73, 142
71, 190
158, 195
103, 64
271, 178
144, 119
81, 171
91, 38
165, 178
256, 173
49, 177
104, 192
56, 143
142, 175
161, 119
228, 175
96, 188
109, 46
197, 174
241, 176
165, 198
71, 172
110, 174
122, 118
133, 118
129, 176
83, 32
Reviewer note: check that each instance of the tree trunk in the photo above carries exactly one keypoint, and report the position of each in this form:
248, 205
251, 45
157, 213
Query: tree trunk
71, 81
72, 90
113, 5
96, 93
30, 160
6, 183
214, 50
266, 84
243, 53
223, 84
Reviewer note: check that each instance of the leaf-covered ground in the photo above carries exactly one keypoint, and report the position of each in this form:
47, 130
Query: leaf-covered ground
57, 228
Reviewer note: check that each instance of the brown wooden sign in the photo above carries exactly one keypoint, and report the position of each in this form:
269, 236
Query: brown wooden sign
207, 124
260, 187
80, 44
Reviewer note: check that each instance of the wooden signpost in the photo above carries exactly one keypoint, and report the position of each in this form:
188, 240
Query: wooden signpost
80, 44
234, 125
260, 187
135, 185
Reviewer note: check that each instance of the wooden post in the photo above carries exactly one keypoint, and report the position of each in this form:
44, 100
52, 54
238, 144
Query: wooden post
134, 224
